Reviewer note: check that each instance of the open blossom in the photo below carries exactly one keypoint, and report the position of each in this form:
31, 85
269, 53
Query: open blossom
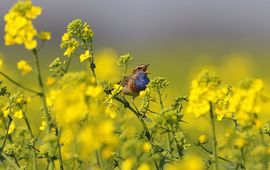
70, 46
202, 139
85, 56
45, 36
43, 126
191, 162
19, 28
18, 114
24, 67
147, 147
144, 166
240, 143
65, 37
11, 127
1, 63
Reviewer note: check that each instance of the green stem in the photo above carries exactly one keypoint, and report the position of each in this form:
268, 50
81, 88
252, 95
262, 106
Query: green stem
170, 143
18, 84
98, 161
126, 66
16, 161
160, 100
68, 64
6, 135
33, 138
92, 63
43, 96
243, 160
178, 146
10, 161
214, 140
59, 150
265, 158
45, 106
219, 157
168, 131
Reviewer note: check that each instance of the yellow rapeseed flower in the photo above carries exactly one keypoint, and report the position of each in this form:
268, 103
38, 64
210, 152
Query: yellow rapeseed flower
69, 51
1, 63
85, 56
65, 37
144, 166
106, 152
11, 127
24, 67
50, 81
6, 111
239, 143
107, 68
202, 139
44, 36
94, 91
191, 162
33, 12
43, 125
144, 92
147, 147
127, 164
111, 110
18, 114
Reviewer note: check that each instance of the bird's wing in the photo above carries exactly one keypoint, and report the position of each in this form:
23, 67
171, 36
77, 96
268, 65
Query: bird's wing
124, 81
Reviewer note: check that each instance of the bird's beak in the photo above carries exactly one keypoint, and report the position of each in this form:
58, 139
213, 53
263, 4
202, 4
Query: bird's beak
145, 67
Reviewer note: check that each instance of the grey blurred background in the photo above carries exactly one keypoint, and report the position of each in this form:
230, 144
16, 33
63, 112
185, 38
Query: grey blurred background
124, 23
175, 33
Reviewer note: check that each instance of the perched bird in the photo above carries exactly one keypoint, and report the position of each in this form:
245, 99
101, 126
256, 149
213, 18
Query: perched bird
136, 82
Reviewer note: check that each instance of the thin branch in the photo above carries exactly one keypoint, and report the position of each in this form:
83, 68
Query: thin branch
33, 138
219, 157
214, 138
44, 102
68, 64
6, 135
10, 161
19, 85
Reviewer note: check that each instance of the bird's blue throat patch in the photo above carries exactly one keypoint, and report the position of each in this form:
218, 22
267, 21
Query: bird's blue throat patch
141, 81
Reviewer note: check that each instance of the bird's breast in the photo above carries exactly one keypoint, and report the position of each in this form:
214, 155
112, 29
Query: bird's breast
141, 82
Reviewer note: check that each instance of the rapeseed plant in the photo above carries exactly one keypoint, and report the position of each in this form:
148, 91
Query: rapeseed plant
85, 122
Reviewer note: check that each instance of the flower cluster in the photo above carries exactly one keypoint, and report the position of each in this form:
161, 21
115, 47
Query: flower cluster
19, 27
79, 36
206, 90
246, 101
83, 122
124, 59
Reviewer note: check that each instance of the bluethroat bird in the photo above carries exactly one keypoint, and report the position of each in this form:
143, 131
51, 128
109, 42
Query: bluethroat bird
136, 82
